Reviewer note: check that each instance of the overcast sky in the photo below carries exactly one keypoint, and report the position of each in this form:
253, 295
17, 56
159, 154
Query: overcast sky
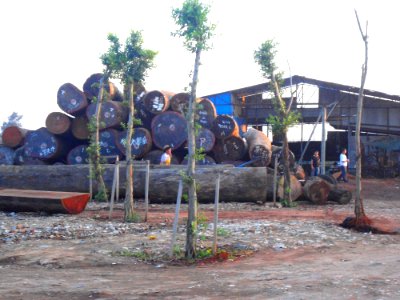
46, 43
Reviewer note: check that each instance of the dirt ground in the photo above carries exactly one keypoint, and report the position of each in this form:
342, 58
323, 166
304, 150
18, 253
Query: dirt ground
274, 253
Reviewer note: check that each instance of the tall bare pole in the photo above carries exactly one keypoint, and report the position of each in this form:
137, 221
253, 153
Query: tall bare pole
361, 218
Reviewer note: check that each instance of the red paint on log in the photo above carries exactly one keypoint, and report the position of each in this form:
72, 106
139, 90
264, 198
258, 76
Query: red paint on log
14, 136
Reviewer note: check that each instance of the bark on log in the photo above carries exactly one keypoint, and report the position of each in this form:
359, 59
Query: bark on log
260, 147
225, 126
7, 155
169, 128
340, 196
237, 184
157, 102
58, 123
277, 152
207, 160
79, 127
14, 136
205, 139
113, 113
139, 92
108, 144
92, 84
141, 142
205, 113
299, 172
21, 158
71, 99
143, 115
296, 190
78, 155
317, 190
154, 157
329, 179
230, 149
180, 103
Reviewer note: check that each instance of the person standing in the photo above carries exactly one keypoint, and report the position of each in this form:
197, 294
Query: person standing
343, 162
315, 164
166, 156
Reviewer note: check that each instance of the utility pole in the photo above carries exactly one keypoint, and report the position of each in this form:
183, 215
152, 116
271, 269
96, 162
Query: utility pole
323, 141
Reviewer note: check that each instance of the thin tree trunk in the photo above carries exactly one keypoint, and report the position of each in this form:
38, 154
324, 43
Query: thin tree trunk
192, 195
98, 173
128, 204
286, 170
285, 149
359, 206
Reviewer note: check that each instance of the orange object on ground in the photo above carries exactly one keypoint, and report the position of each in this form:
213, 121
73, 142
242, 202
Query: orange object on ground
47, 201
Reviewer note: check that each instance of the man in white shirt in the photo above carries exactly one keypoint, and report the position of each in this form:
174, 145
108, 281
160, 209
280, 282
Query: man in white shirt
343, 162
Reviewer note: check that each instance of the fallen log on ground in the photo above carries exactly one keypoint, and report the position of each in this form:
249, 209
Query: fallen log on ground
317, 190
340, 196
296, 190
236, 185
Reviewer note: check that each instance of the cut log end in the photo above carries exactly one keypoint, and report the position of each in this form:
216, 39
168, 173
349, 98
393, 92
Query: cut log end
317, 190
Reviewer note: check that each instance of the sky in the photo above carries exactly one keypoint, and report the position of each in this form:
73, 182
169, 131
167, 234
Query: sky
46, 43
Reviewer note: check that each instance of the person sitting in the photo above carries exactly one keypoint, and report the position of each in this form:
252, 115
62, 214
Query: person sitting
166, 156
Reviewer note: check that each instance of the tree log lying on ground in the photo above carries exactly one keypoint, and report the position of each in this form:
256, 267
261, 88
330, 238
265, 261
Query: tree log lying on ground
340, 196
236, 185
317, 190
323, 188
296, 190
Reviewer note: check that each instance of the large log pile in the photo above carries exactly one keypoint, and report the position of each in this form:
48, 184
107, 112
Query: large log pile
162, 121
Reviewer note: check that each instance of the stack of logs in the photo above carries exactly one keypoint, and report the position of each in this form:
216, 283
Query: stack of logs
65, 138
162, 122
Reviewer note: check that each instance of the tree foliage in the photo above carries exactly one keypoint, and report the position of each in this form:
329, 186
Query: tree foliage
265, 56
128, 63
192, 19
13, 120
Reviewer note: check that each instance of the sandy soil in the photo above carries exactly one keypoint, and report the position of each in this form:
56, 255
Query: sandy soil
330, 263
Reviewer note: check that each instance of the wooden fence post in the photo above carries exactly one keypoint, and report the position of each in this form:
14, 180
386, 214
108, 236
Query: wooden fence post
216, 202
176, 219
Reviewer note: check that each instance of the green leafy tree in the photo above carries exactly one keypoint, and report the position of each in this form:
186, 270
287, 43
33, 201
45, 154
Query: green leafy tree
13, 120
265, 57
128, 63
192, 20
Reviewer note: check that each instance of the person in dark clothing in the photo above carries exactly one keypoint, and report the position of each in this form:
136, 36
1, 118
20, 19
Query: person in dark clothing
315, 164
